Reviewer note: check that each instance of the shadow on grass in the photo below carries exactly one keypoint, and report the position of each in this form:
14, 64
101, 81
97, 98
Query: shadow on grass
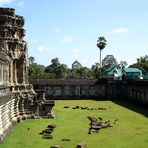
132, 105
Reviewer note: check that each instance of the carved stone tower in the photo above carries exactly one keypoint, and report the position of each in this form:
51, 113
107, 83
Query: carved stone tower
13, 48
16, 94
18, 101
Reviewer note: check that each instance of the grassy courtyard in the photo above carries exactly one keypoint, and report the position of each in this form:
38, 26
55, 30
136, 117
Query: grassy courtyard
130, 131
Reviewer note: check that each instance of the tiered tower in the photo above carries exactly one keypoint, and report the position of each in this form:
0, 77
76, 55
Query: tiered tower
13, 48
18, 101
16, 94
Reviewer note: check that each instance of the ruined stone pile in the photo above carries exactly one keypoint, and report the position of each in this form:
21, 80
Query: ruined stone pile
57, 146
81, 145
85, 108
47, 133
96, 125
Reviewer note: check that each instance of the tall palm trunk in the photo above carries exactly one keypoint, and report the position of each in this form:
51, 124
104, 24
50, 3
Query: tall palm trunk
101, 43
100, 64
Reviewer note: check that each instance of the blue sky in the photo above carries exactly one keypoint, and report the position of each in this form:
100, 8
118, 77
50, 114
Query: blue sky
68, 29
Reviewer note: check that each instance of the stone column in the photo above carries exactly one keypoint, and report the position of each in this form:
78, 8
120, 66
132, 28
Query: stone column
1, 123
0, 72
14, 72
11, 72
12, 111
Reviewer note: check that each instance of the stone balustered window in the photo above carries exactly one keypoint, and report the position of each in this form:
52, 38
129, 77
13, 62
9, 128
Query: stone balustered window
4, 72
1, 72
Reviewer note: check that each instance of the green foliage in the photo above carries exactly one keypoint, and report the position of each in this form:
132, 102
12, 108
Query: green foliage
108, 61
76, 65
130, 131
60, 70
57, 70
101, 42
36, 70
95, 70
31, 60
47, 75
123, 64
142, 62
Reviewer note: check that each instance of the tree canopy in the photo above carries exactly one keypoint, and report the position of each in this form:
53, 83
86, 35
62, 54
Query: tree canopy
141, 63
101, 42
58, 70
108, 61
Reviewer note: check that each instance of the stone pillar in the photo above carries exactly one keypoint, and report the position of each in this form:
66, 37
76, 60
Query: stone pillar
12, 111
16, 109
11, 72
1, 123
14, 72
0, 72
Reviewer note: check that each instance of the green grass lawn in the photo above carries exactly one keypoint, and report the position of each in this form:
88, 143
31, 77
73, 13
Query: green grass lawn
131, 130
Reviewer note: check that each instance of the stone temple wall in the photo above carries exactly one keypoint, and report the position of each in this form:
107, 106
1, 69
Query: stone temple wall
136, 90
16, 94
72, 88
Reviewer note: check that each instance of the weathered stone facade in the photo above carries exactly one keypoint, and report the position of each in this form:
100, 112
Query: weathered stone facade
15, 92
72, 88
136, 90
18, 101
13, 57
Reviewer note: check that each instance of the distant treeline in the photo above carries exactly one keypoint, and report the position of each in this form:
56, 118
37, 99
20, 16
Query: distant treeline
57, 70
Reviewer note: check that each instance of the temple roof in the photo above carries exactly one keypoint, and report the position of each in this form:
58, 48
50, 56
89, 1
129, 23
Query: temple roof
65, 81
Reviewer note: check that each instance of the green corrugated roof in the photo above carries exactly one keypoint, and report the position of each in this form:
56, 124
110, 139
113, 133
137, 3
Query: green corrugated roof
131, 70
118, 70
111, 67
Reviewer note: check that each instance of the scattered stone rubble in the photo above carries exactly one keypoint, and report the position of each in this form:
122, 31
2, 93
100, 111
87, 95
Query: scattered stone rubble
96, 125
47, 133
85, 108
57, 146
65, 139
81, 145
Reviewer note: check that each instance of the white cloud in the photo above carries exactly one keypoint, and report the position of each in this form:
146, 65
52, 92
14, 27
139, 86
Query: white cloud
67, 39
120, 30
4, 2
45, 49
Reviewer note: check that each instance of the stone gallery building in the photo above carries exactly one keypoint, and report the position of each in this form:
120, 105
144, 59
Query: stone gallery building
71, 88
134, 89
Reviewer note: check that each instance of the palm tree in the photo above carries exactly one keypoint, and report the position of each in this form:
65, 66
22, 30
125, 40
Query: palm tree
101, 43
31, 60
